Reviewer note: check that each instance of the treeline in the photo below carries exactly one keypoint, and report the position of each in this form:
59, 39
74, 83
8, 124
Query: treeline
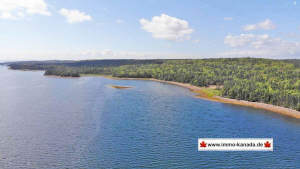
46, 65
259, 80
62, 71
275, 82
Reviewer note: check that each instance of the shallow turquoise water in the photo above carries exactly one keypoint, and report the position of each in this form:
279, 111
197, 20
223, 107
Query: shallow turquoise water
48, 122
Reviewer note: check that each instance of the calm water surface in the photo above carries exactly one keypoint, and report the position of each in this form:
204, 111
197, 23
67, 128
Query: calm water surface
48, 122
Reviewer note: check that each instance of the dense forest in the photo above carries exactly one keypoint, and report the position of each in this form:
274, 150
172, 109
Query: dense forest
275, 82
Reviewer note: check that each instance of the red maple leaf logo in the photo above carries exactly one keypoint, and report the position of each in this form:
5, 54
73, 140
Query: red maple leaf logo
202, 144
267, 144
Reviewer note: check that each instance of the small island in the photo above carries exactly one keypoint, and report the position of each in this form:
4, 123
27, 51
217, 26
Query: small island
120, 87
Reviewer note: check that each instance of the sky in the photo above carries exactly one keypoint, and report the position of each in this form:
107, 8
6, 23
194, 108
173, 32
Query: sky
148, 29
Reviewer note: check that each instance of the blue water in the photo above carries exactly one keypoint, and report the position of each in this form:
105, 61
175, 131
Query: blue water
48, 122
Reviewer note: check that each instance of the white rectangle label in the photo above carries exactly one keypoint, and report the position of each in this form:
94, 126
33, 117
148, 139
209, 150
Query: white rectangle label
235, 144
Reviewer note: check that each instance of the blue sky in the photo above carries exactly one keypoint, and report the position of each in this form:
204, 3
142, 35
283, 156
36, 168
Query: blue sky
144, 29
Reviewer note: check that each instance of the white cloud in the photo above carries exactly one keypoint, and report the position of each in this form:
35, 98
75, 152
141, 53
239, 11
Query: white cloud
295, 2
15, 9
12, 55
264, 25
73, 54
110, 54
261, 46
196, 41
228, 18
167, 27
119, 21
244, 39
74, 16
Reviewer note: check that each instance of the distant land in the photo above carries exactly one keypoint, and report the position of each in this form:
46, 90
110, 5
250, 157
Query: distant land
275, 82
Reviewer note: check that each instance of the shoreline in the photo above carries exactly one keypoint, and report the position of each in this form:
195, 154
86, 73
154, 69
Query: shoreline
201, 94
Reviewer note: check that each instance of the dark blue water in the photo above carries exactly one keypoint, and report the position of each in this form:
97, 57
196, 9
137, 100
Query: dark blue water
48, 122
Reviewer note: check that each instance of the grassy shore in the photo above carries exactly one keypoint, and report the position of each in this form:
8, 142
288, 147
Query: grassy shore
212, 94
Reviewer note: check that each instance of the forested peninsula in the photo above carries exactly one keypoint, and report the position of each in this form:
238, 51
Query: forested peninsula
275, 82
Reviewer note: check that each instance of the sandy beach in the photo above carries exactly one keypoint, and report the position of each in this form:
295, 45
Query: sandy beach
201, 94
